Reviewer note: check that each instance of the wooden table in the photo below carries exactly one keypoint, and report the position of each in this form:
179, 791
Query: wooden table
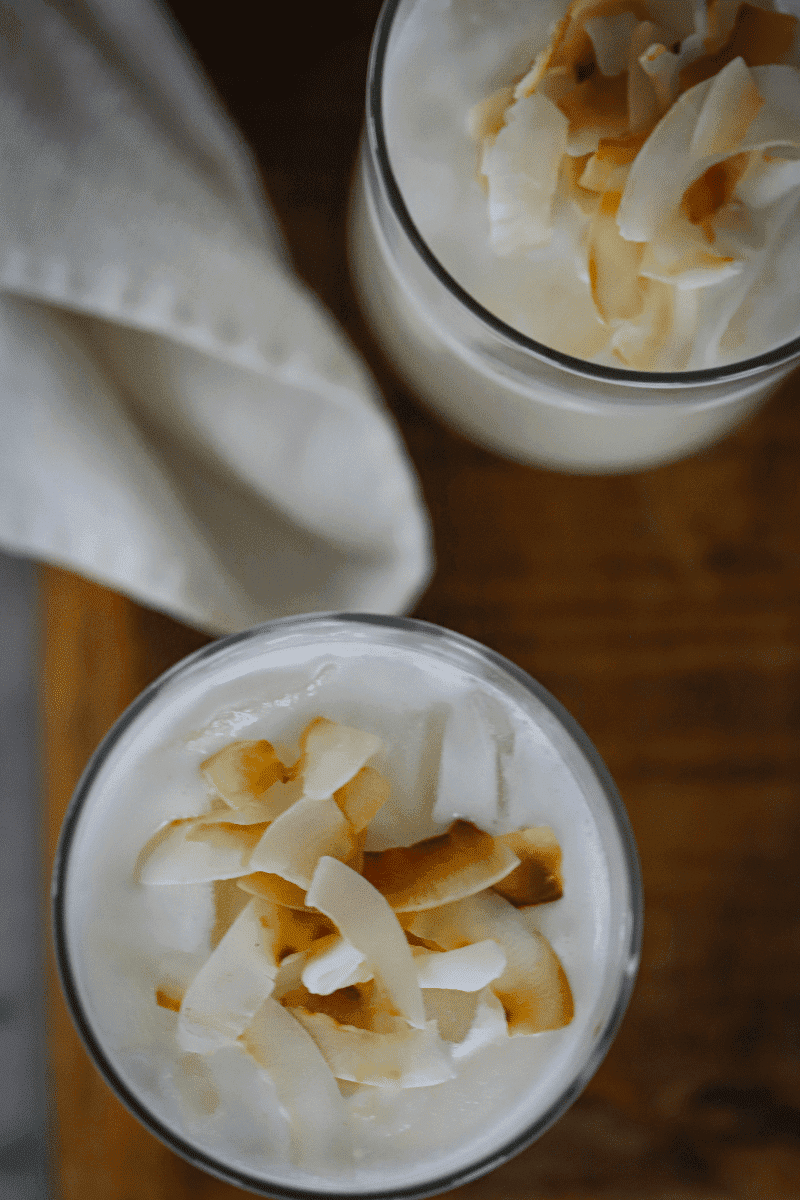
663, 609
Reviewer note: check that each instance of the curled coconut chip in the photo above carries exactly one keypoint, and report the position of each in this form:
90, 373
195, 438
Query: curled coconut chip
448, 867
656, 124
382, 969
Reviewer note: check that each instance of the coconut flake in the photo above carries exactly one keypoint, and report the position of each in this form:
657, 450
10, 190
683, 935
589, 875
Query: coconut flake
533, 989
332, 755
521, 168
333, 963
194, 851
614, 264
537, 880
485, 119
467, 784
362, 797
402, 1058
611, 37
662, 170
682, 255
253, 813
309, 1097
767, 180
363, 916
296, 840
661, 325
467, 969
730, 107
469, 1021
437, 870
274, 888
596, 108
758, 35
230, 987
243, 770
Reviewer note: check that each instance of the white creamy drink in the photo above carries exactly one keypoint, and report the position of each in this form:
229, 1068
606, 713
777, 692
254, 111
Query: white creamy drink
575, 233
460, 735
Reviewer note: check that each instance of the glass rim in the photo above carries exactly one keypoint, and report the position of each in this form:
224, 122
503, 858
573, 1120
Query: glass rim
629, 954
378, 142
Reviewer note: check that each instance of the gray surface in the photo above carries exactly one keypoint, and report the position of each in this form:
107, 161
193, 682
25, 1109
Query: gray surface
23, 1084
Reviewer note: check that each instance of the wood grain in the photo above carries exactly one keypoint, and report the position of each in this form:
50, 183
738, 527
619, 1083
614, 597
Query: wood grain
662, 608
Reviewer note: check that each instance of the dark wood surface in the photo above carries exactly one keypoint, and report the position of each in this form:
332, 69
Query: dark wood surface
662, 608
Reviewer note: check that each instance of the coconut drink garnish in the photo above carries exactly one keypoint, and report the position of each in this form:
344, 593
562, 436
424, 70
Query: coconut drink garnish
365, 969
671, 154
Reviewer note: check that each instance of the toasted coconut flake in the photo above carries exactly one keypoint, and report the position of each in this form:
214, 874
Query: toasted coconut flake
639, 343
530, 81
467, 785
766, 181
533, 989
715, 21
363, 916
333, 963
662, 170
292, 932
521, 167
332, 755
644, 105
703, 199
570, 175
489, 1027
596, 108
607, 169
620, 152
229, 900
404, 1058
732, 103
611, 37
469, 1021
275, 888
602, 176
759, 36
662, 67
195, 852
362, 1005
296, 840
437, 870
230, 987
467, 969
309, 1098
485, 119
362, 797
556, 83
290, 975
169, 996
243, 770
778, 122
571, 45
281, 796
453, 1013
537, 880
253, 813
614, 266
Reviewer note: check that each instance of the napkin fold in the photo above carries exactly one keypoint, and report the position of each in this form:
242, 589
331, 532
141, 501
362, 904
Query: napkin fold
183, 421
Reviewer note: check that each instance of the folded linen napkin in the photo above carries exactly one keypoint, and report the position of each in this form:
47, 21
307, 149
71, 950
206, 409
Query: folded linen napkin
182, 419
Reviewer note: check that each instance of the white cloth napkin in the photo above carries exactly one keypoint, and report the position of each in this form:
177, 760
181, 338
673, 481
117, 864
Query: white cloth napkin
182, 420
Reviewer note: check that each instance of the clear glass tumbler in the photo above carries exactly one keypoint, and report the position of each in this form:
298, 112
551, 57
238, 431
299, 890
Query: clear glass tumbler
497, 386
115, 937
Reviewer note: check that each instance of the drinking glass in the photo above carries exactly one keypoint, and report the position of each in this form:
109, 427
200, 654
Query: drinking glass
278, 672
497, 386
